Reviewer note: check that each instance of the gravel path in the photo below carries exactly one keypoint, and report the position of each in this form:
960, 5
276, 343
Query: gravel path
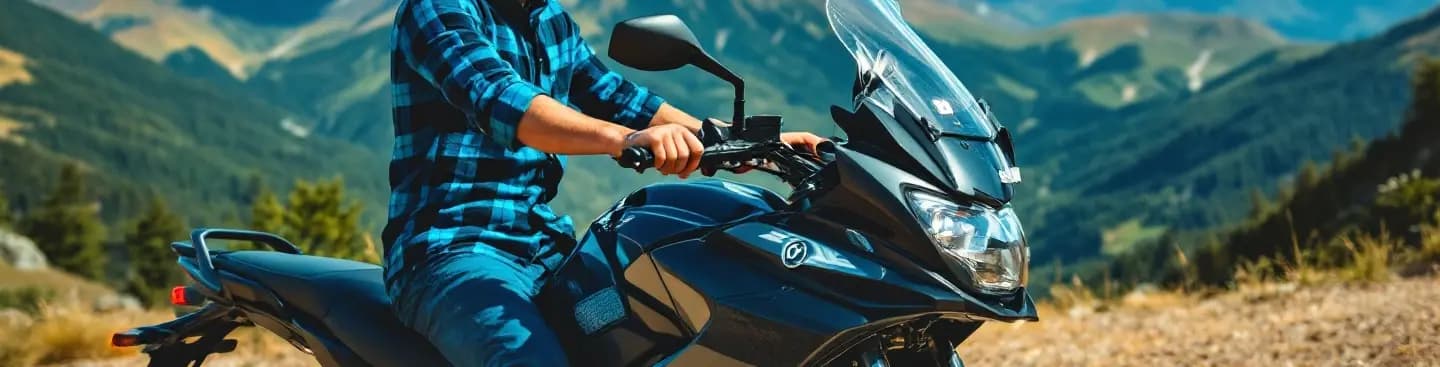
1388, 324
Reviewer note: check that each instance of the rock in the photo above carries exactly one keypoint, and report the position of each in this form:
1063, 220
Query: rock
117, 302
20, 252
15, 319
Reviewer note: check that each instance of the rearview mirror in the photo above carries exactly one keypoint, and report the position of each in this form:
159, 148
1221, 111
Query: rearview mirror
664, 42
655, 43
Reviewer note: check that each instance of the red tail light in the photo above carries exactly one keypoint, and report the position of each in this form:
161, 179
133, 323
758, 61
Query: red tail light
183, 296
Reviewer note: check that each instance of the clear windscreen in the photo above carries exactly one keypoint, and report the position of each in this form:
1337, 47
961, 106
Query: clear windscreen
882, 43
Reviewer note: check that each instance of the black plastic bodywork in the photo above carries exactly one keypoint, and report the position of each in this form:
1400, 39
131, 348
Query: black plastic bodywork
693, 274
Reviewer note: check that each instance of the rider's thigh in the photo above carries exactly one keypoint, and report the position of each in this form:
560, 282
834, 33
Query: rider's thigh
477, 309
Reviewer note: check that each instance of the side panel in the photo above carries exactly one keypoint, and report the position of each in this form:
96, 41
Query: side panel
766, 305
609, 302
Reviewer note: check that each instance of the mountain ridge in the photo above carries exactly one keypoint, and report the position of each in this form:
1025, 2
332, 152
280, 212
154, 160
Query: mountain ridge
142, 130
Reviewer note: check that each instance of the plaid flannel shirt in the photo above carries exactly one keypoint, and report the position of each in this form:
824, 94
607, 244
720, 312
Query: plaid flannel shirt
463, 73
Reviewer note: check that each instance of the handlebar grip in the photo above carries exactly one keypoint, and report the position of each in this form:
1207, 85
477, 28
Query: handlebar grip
637, 158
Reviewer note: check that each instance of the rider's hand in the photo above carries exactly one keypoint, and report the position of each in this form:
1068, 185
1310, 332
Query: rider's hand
805, 142
677, 151
801, 141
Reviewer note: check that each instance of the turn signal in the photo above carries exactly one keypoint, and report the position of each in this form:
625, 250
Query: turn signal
128, 338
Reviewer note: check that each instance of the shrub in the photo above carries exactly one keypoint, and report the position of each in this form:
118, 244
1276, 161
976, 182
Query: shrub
1369, 256
1075, 294
25, 299
1430, 239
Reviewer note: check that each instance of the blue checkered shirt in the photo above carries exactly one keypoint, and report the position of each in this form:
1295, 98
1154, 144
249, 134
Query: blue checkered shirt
463, 73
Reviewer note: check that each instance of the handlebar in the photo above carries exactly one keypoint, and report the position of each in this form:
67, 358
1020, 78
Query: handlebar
637, 158
730, 150
794, 166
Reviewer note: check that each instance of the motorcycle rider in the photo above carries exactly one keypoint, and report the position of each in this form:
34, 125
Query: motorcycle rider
488, 98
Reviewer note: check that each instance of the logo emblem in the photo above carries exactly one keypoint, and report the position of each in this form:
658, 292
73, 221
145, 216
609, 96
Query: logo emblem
943, 107
794, 253
1010, 175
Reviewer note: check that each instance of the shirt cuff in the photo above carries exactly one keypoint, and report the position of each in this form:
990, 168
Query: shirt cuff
647, 111
509, 108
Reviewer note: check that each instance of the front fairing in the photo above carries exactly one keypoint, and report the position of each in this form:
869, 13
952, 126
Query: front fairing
950, 134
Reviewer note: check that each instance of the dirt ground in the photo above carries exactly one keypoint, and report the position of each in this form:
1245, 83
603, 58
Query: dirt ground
1387, 324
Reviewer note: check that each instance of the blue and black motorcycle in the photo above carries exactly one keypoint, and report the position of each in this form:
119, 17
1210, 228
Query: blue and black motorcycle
893, 247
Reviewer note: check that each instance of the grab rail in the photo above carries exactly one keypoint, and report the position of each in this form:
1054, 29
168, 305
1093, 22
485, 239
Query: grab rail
208, 275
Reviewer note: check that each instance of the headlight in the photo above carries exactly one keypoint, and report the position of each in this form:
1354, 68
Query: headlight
982, 246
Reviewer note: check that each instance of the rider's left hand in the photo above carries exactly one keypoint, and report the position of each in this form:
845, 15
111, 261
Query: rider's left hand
805, 142
801, 141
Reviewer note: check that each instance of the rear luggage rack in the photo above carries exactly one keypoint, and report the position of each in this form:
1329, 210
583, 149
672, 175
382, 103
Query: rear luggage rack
190, 338
206, 274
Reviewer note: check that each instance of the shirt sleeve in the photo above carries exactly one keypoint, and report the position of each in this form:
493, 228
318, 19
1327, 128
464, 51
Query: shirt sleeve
441, 40
604, 94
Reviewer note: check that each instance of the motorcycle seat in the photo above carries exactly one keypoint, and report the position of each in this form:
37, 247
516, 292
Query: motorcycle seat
347, 297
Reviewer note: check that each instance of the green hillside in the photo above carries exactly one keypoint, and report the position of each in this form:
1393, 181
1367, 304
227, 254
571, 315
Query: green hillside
138, 128
1375, 202
1127, 125
1191, 162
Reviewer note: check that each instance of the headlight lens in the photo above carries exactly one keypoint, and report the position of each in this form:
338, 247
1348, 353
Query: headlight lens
983, 246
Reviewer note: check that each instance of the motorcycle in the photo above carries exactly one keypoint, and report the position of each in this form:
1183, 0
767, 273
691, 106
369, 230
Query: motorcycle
893, 247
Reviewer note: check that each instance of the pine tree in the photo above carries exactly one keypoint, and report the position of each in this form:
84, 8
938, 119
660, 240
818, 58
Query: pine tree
1425, 85
1309, 175
317, 217
320, 219
5, 218
1259, 205
266, 212
67, 227
152, 263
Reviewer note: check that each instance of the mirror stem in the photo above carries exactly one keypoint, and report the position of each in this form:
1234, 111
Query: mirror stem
707, 63
739, 103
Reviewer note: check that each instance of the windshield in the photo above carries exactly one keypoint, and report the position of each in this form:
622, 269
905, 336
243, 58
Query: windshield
882, 43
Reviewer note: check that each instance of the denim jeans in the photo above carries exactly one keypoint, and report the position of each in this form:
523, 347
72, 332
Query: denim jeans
477, 309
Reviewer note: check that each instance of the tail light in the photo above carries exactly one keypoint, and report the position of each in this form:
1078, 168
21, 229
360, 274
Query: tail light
184, 296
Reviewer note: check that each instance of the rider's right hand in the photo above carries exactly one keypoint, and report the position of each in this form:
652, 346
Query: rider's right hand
677, 150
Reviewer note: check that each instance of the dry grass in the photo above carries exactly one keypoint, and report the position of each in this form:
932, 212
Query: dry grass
1430, 240
1370, 257
69, 332
65, 330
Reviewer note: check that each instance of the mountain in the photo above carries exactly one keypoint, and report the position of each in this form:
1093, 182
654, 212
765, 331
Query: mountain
139, 129
1315, 20
1191, 161
239, 35
1127, 124
1051, 85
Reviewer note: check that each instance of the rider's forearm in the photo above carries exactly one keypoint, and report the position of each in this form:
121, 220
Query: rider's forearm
668, 114
553, 127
